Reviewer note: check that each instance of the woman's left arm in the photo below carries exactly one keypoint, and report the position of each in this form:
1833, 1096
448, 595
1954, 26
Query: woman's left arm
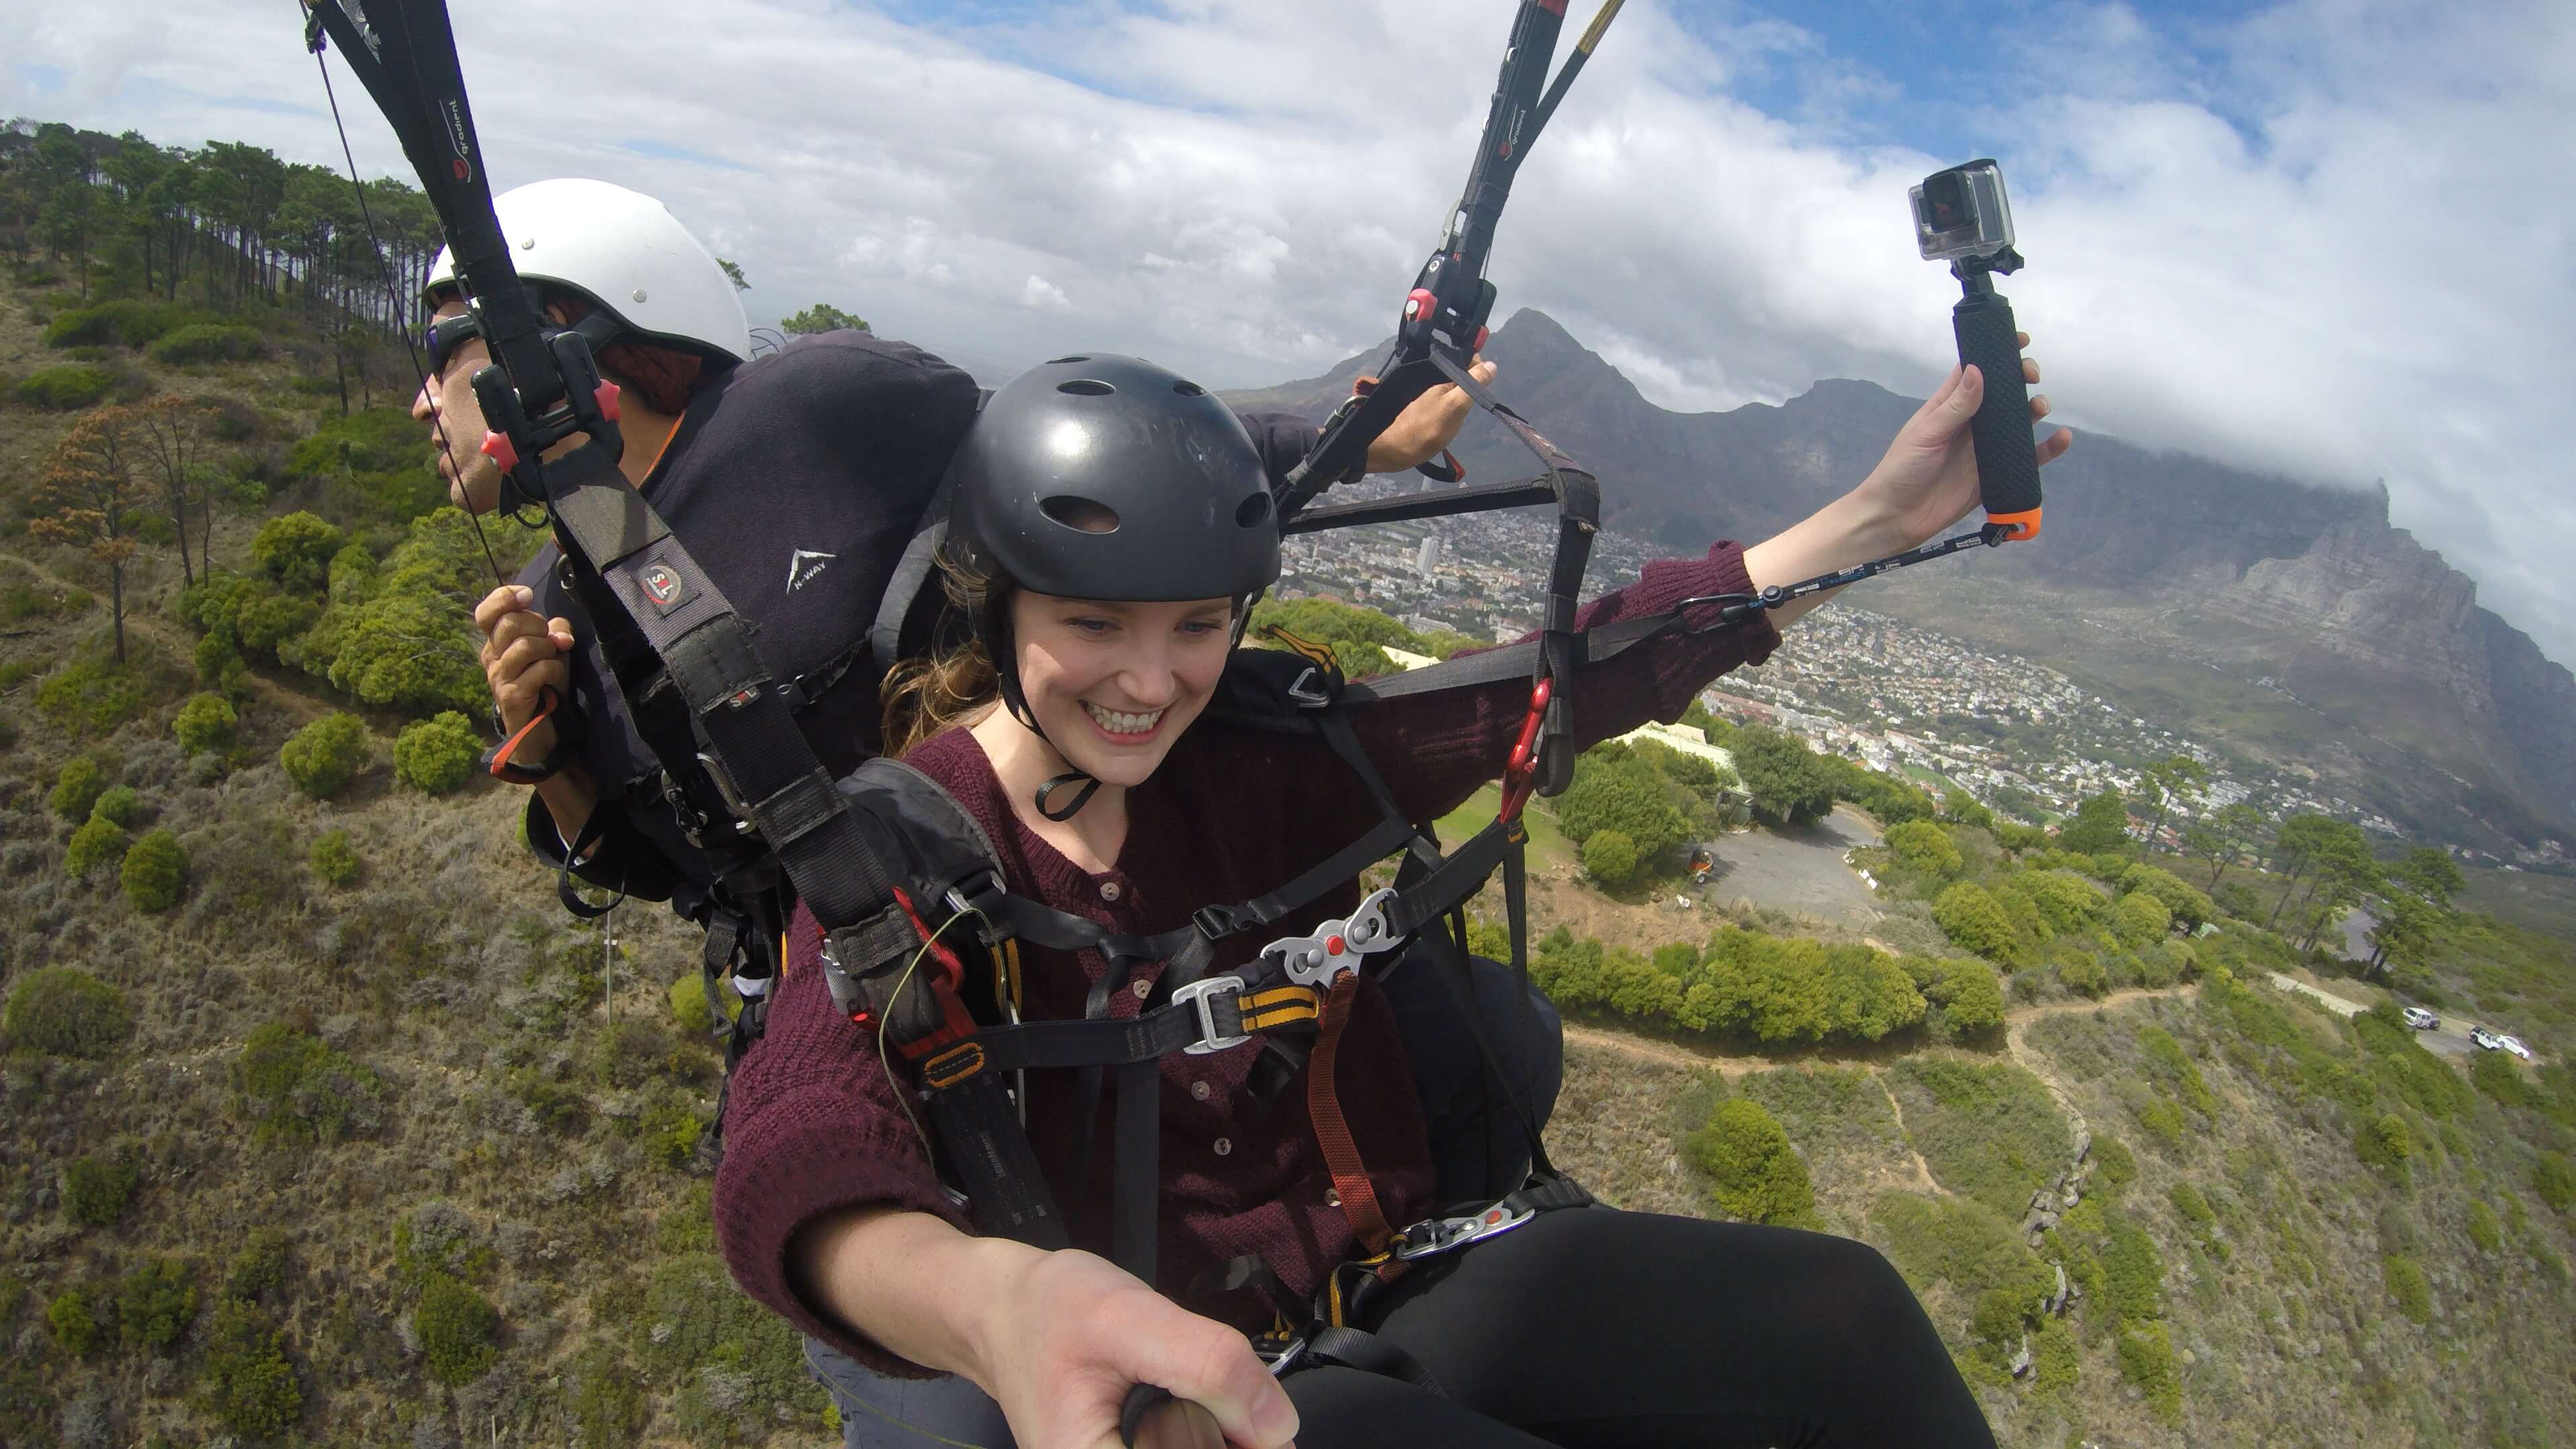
1926, 483
1435, 750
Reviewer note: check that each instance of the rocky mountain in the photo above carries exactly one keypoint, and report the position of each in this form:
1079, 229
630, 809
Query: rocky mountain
2434, 707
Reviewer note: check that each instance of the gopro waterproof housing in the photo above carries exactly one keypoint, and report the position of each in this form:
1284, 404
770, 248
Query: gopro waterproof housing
1962, 213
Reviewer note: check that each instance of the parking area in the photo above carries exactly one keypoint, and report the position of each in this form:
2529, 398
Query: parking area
1799, 869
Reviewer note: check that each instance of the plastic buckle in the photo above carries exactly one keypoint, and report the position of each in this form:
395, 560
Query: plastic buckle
1197, 993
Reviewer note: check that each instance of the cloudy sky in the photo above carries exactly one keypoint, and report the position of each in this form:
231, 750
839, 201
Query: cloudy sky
2332, 237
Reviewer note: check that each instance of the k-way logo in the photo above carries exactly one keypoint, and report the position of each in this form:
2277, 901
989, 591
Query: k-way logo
803, 565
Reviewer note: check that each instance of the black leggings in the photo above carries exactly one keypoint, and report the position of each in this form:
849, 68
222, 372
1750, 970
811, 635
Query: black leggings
1603, 1329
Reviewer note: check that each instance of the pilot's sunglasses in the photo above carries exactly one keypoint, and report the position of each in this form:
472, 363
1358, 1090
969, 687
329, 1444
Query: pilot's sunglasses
444, 335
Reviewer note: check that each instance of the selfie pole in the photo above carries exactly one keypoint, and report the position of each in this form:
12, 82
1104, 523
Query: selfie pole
1961, 216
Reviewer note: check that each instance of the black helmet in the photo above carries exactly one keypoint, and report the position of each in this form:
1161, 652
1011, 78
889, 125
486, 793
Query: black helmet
1100, 477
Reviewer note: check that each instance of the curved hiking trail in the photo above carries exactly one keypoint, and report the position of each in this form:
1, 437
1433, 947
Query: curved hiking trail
1733, 1066
2016, 1048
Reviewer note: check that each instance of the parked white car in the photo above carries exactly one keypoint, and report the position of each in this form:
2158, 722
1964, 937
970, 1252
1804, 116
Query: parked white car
2422, 1020
2514, 1045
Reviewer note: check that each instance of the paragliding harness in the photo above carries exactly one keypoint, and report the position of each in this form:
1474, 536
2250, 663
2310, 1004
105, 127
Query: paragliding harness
891, 866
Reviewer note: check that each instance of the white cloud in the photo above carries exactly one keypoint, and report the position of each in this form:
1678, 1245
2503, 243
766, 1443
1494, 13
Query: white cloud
1044, 296
2334, 238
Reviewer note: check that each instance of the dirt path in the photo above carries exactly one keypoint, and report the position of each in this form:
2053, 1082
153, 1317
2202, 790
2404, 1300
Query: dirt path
294, 705
1655, 1051
1922, 1170
2340, 1006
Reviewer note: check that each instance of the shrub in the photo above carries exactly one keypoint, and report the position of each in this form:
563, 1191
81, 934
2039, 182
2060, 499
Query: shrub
2140, 920
334, 859
1970, 995
89, 698
131, 321
670, 1133
1974, 921
82, 1319
2114, 1163
1610, 857
297, 1089
2238, 899
248, 1384
2382, 1143
295, 550
156, 1302
434, 756
2083, 973
2406, 1284
1754, 1174
2068, 901
209, 342
455, 1324
1924, 849
67, 1013
98, 1189
2553, 1177
155, 872
120, 807
2500, 1079
324, 756
78, 787
258, 1269
2147, 1361
2182, 901
2482, 1227
98, 843
207, 721
64, 389
689, 1006
2133, 1272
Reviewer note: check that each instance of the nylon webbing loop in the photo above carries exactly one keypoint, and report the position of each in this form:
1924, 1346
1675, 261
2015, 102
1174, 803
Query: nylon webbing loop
1333, 1130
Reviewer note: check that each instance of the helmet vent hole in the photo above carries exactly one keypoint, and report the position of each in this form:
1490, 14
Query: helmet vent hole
1189, 389
1086, 387
1084, 515
1253, 511
1060, 361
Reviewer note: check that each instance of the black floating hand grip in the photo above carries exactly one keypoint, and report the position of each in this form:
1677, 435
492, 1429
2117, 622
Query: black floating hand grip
2007, 455
1142, 1399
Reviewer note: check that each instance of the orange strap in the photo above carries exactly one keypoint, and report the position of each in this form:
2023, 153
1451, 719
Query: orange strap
1333, 1133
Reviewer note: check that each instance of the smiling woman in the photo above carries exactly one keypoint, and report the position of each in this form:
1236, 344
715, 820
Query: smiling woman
1108, 753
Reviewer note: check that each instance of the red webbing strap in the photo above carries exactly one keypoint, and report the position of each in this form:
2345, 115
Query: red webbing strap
1333, 1133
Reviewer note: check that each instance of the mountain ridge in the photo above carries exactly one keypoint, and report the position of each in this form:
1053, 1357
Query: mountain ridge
2294, 581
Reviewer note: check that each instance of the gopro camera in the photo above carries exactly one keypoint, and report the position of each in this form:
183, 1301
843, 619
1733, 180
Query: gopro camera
1962, 213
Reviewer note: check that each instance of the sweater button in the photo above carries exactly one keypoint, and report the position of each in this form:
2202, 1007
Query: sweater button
1224, 1145
1109, 890
1142, 989
1199, 1091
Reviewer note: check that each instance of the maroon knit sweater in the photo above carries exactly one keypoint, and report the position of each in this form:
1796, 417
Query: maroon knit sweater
813, 1126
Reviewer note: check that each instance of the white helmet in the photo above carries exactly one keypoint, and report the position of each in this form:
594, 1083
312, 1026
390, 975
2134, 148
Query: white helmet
627, 253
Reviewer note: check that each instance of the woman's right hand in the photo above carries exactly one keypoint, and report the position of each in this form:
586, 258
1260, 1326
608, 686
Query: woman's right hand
1071, 1332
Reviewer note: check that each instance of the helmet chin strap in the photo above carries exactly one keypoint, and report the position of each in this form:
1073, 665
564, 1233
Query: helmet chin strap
1006, 675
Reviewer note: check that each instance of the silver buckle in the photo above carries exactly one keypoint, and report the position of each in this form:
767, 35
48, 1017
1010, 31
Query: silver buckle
1442, 1234
1196, 993
1336, 946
